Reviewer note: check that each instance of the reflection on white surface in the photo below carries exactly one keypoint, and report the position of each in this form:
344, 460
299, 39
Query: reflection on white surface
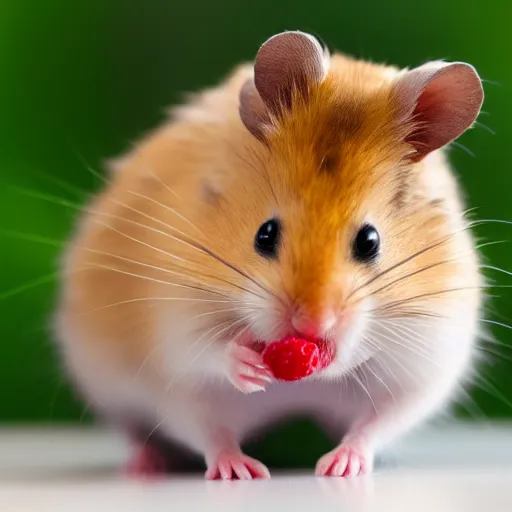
458, 468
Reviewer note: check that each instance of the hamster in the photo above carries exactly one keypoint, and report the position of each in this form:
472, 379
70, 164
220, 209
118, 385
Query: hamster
308, 194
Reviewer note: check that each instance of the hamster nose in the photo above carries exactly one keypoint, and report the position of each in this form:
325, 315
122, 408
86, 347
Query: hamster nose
312, 326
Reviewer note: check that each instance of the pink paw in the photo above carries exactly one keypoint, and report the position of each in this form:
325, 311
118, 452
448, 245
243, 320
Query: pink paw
346, 460
146, 462
235, 465
246, 370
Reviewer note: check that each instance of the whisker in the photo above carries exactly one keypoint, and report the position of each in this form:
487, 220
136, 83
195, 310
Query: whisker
154, 219
242, 273
353, 375
29, 285
494, 322
77, 192
153, 432
85, 411
194, 245
369, 368
410, 313
404, 319
393, 355
406, 343
434, 245
167, 207
407, 331
391, 305
491, 267
495, 353
89, 168
224, 328
168, 283
464, 148
487, 244
168, 254
257, 169
470, 210
214, 340
158, 346
204, 250
161, 269
485, 127
30, 237
154, 299
488, 221
388, 370
493, 390
160, 180
416, 341
488, 337
46, 197
471, 406
146, 360
181, 365
414, 273
152, 352
222, 310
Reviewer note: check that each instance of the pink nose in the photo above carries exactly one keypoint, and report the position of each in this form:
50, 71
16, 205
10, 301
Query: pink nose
311, 326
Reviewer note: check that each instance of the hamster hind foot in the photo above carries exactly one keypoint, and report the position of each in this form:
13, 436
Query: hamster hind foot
146, 462
155, 456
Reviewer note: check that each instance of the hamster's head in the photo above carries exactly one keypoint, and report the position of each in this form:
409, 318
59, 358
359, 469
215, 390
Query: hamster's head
336, 219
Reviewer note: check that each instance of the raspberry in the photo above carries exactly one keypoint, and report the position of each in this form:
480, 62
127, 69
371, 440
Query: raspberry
294, 358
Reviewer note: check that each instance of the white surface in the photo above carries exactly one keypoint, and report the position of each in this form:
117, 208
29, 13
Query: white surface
458, 468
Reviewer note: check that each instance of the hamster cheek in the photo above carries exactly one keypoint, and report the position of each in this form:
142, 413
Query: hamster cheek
353, 338
267, 319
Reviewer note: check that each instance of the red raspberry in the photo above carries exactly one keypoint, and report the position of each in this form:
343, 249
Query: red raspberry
292, 358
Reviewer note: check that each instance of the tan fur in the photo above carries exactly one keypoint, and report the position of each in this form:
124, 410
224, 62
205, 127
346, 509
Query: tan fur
331, 164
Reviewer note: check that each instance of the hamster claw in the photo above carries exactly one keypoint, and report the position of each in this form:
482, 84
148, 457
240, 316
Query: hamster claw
346, 460
246, 370
236, 465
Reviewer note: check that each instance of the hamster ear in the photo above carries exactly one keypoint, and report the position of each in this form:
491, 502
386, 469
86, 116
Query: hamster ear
253, 112
287, 62
442, 100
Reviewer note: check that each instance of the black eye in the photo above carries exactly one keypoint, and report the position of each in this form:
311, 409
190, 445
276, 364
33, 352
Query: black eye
267, 238
366, 244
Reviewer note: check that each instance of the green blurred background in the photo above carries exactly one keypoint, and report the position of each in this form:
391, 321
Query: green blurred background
83, 80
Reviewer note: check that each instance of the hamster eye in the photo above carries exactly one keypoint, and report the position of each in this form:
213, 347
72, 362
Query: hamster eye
366, 244
267, 238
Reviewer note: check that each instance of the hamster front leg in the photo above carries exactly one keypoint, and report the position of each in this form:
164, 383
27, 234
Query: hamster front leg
224, 458
198, 424
196, 418
386, 419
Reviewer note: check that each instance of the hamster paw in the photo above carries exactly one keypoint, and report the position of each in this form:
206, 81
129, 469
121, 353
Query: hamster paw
246, 369
345, 461
146, 462
235, 465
